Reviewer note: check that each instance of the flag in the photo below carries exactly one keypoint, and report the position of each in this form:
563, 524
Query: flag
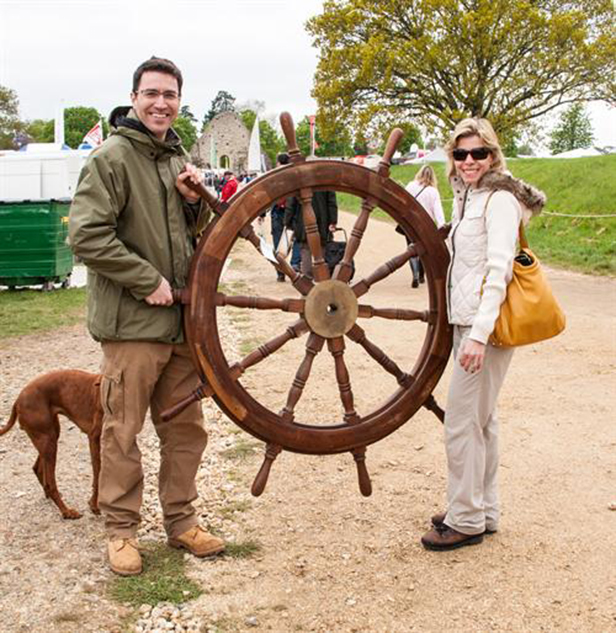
313, 141
58, 128
213, 157
95, 136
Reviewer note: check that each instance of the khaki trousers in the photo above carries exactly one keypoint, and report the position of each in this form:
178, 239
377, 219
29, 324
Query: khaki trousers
471, 440
138, 375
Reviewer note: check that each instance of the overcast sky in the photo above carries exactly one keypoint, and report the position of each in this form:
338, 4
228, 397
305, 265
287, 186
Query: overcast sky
84, 52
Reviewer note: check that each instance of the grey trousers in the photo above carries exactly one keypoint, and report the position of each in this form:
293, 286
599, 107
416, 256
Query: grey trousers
471, 440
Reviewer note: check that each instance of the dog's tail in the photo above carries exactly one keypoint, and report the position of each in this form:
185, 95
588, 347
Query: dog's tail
9, 425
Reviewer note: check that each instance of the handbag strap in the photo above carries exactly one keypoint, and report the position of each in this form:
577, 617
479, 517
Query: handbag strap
523, 242
420, 192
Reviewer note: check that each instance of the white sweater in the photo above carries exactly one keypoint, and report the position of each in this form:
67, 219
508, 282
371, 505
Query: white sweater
482, 242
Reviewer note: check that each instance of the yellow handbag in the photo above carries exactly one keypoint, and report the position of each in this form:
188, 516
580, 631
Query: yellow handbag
529, 313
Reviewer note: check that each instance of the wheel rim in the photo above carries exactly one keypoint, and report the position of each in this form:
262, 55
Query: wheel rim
353, 431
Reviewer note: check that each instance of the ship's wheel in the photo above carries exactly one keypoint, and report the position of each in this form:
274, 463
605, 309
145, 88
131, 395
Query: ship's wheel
329, 310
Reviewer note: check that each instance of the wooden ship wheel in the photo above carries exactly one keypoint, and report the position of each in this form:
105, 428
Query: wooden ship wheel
329, 310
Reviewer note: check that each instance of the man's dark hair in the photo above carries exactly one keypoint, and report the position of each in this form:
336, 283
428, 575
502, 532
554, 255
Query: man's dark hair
283, 159
159, 65
228, 173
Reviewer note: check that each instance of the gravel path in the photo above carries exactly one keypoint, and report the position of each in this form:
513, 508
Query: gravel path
332, 560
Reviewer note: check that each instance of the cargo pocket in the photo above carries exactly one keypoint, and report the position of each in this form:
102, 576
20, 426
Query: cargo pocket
112, 395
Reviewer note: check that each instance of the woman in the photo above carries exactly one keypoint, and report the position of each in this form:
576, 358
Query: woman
488, 207
423, 189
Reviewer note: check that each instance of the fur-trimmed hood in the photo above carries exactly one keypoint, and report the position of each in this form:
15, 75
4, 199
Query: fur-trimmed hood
531, 197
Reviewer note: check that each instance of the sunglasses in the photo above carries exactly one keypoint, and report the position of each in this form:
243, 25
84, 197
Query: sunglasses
477, 153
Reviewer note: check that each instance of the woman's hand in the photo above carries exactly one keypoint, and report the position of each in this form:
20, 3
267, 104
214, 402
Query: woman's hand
471, 355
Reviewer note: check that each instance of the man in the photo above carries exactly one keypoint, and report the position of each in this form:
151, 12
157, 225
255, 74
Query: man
325, 208
134, 221
277, 214
230, 186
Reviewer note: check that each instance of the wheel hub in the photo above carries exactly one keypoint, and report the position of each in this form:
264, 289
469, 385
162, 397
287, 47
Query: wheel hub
331, 308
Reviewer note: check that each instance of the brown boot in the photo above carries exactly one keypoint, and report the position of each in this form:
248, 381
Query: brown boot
446, 538
198, 542
438, 522
124, 556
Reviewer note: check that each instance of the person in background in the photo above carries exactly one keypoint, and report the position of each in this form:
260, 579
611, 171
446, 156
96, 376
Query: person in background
229, 187
134, 222
277, 214
325, 208
424, 189
489, 206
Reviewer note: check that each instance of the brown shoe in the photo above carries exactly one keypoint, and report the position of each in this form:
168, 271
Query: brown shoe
446, 538
438, 522
124, 556
198, 542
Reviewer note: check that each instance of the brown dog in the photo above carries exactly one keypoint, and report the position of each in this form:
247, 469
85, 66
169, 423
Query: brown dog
75, 394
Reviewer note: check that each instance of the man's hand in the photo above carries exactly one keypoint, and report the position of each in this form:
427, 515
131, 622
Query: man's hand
161, 296
471, 355
194, 175
332, 228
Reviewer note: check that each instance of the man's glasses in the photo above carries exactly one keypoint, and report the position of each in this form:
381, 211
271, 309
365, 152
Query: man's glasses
477, 153
152, 95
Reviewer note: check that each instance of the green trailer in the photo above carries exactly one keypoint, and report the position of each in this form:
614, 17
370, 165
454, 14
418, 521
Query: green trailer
33, 243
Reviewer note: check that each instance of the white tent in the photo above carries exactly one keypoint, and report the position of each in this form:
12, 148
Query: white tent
578, 153
437, 155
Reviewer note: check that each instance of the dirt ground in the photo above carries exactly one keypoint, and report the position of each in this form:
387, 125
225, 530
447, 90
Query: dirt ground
332, 560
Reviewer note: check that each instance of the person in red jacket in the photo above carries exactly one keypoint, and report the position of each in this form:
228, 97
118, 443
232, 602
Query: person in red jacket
230, 186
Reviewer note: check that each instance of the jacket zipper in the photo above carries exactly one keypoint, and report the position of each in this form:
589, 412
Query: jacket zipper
172, 280
453, 253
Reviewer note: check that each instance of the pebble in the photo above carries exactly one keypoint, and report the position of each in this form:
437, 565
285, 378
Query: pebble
251, 621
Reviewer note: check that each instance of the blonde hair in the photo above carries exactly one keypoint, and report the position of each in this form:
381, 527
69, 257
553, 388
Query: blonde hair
484, 130
426, 176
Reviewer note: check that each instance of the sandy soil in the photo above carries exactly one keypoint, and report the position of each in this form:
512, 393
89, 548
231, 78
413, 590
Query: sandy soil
332, 560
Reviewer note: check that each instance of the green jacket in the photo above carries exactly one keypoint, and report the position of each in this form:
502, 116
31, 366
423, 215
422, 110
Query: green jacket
131, 227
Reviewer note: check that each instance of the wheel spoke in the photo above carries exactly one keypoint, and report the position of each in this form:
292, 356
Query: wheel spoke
320, 271
363, 285
344, 270
314, 345
358, 335
300, 282
266, 349
336, 348
397, 314
259, 303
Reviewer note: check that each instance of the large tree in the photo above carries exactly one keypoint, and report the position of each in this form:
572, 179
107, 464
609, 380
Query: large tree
439, 61
573, 130
222, 102
333, 141
186, 130
10, 124
78, 121
40, 130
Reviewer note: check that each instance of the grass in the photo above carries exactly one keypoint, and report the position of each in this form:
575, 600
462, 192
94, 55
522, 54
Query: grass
242, 449
163, 579
575, 186
242, 549
232, 508
30, 311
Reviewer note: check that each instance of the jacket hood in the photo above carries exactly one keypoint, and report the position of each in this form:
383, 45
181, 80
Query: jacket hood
125, 117
532, 198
